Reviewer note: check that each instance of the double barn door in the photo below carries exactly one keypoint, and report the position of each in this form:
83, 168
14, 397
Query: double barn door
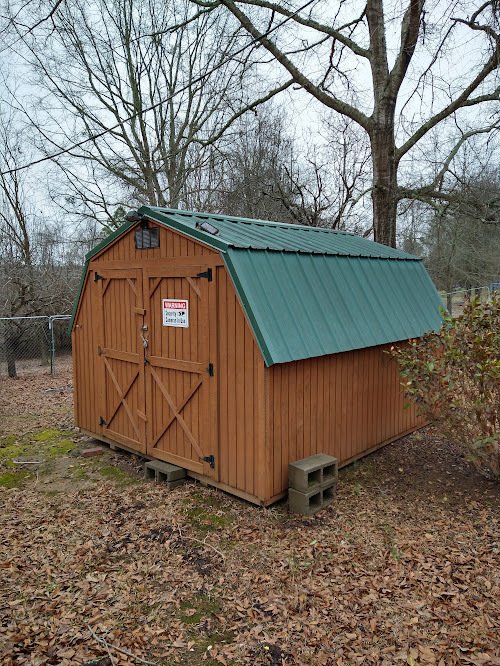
155, 380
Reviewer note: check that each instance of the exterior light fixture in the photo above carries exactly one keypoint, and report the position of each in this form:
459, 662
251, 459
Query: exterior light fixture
133, 216
209, 228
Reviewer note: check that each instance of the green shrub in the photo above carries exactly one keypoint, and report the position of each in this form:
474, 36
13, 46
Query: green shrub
454, 377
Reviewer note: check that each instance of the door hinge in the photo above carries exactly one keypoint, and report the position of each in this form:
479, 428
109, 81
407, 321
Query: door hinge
210, 460
210, 369
102, 422
98, 277
207, 274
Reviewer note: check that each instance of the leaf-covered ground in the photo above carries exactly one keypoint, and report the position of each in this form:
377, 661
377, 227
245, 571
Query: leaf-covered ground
404, 567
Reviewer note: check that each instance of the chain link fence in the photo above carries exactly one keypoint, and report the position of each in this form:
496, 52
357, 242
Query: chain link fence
454, 300
30, 345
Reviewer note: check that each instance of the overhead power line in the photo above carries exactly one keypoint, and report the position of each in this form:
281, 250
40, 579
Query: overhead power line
200, 78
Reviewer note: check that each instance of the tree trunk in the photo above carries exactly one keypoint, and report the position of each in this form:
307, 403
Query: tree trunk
449, 302
385, 188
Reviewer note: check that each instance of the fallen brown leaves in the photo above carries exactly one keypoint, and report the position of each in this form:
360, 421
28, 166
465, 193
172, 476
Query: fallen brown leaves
371, 580
402, 568
37, 399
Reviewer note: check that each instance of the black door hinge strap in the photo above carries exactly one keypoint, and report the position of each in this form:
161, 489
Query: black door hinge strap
210, 460
206, 274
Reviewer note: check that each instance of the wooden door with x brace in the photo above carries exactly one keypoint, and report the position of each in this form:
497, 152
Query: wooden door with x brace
181, 390
158, 393
119, 377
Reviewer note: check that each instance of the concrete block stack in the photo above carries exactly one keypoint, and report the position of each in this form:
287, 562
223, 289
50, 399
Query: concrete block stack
312, 483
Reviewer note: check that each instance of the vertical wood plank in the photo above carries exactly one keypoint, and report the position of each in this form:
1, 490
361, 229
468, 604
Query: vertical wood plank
223, 375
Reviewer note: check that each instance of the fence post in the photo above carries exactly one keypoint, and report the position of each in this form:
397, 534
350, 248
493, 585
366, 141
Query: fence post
53, 341
52, 347
10, 349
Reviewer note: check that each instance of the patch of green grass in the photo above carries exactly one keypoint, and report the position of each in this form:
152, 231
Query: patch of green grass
14, 479
8, 440
205, 520
209, 514
46, 435
202, 605
215, 638
79, 474
117, 475
60, 448
10, 448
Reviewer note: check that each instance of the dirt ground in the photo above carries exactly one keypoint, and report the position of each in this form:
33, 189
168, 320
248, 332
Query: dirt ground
98, 564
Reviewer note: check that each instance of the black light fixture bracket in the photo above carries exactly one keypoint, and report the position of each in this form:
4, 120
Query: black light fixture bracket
134, 216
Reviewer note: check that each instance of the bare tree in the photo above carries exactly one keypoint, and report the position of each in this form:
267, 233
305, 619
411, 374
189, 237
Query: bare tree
39, 268
384, 66
157, 72
462, 248
270, 173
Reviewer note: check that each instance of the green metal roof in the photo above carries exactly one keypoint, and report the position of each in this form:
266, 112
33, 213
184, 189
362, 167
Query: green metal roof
241, 233
308, 291
301, 306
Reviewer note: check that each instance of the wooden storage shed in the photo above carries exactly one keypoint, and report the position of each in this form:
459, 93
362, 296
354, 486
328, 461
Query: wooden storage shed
232, 347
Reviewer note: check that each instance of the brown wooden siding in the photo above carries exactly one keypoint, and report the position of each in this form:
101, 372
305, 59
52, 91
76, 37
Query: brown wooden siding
239, 414
84, 345
342, 404
172, 245
240, 372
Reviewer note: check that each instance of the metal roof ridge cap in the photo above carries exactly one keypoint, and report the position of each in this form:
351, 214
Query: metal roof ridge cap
216, 242
249, 220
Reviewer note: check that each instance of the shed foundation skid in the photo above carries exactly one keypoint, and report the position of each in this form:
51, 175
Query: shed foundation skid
234, 351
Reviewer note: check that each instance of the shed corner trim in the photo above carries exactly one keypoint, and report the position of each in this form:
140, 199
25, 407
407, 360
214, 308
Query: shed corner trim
78, 296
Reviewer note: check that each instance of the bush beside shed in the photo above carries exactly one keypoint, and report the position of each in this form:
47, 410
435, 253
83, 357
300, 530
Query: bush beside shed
231, 347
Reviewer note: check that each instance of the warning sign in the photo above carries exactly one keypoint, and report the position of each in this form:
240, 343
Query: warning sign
175, 313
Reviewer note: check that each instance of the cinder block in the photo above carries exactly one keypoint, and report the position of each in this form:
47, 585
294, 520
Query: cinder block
173, 484
307, 504
314, 472
328, 495
163, 472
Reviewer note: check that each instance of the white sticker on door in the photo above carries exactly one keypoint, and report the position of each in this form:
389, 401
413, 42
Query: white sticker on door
175, 313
